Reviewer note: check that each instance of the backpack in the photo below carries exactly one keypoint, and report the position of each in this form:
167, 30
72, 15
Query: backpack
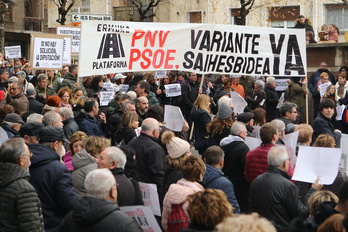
177, 219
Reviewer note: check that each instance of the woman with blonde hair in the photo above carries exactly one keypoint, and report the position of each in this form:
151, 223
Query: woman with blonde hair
84, 161
178, 149
192, 169
207, 209
201, 116
76, 141
126, 132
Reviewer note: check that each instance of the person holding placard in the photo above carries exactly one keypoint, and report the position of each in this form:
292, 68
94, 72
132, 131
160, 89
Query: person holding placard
70, 79
256, 100
43, 91
143, 90
272, 99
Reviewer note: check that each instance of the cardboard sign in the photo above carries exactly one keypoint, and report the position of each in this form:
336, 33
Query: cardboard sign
13, 52
106, 97
281, 84
173, 90
150, 197
143, 216
119, 46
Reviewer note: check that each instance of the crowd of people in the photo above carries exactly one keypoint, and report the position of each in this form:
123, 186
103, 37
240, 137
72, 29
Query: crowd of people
69, 164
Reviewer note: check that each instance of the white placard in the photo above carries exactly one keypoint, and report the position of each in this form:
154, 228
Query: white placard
75, 33
123, 88
340, 110
106, 97
120, 46
108, 86
48, 53
173, 118
13, 52
262, 102
281, 101
252, 143
143, 216
323, 88
344, 158
281, 84
238, 101
150, 197
173, 90
313, 162
160, 74
290, 141
67, 51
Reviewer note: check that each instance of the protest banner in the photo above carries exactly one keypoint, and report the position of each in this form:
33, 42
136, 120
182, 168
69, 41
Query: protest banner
108, 86
13, 52
323, 88
313, 162
106, 97
123, 88
150, 197
173, 90
143, 216
173, 118
47, 51
252, 143
119, 46
160, 74
75, 33
281, 84
67, 51
238, 102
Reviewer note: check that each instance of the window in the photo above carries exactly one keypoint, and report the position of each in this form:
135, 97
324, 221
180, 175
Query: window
283, 16
337, 14
195, 17
235, 16
82, 7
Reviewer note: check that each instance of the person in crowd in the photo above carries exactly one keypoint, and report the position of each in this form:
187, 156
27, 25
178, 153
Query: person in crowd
16, 98
257, 97
297, 93
281, 130
127, 132
57, 84
237, 87
256, 160
333, 33
178, 149
76, 94
115, 104
259, 117
322, 123
52, 118
317, 95
200, 115
98, 211
142, 106
34, 117
304, 135
214, 177
223, 90
288, 113
50, 177
65, 95
315, 77
333, 224
52, 104
248, 83
33, 104
114, 159
70, 79
323, 34
79, 104
330, 93
189, 94
29, 132
85, 161
76, 141
96, 86
20, 208
150, 157
220, 126
246, 223
22, 78
143, 90
192, 169
310, 37
271, 99
12, 124
247, 119
43, 91
302, 22
341, 85
200, 218
163, 97
274, 196
114, 122
234, 163
69, 124
87, 119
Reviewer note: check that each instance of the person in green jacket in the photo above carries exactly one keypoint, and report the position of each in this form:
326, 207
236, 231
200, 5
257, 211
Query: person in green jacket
70, 79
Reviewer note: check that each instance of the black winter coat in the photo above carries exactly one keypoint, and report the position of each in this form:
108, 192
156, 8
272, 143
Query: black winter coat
94, 215
276, 198
125, 190
19, 204
271, 103
323, 125
52, 181
35, 105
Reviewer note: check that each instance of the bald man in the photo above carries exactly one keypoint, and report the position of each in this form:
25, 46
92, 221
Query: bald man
142, 107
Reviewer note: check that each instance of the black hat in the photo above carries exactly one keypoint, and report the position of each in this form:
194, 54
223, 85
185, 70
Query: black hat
52, 134
30, 129
13, 117
245, 117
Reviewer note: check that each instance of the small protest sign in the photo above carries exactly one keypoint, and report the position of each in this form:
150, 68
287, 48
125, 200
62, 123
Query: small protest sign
13, 52
173, 118
238, 102
150, 197
281, 84
173, 90
106, 97
143, 216
160, 74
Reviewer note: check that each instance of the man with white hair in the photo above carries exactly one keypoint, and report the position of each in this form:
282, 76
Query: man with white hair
98, 210
35, 118
274, 196
114, 159
281, 130
69, 124
150, 157
52, 118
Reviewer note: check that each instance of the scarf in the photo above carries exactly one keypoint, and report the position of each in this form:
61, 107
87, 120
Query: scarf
340, 89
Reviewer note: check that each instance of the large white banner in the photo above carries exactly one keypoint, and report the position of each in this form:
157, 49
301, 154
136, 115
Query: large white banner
110, 47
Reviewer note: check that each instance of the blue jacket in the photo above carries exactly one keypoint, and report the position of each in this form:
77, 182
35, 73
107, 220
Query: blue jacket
88, 124
52, 182
215, 179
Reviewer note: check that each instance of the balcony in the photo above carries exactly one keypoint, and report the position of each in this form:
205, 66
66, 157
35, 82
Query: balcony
32, 24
